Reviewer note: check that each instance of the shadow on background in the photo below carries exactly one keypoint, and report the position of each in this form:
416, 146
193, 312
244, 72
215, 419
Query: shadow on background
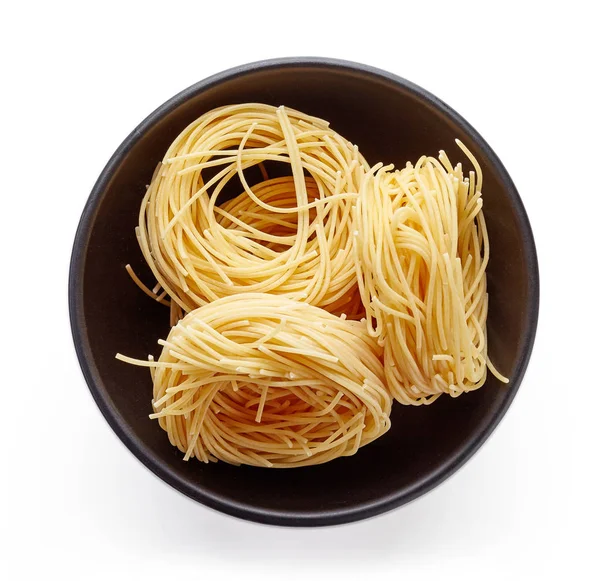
477, 507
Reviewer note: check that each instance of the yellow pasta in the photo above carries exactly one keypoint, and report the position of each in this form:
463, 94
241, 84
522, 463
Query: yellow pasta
267, 381
290, 236
302, 306
421, 252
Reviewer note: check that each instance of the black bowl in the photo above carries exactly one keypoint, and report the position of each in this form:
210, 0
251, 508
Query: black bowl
391, 120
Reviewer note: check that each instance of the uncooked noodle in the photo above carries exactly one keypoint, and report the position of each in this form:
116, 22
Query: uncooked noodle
289, 236
421, 252
264, 380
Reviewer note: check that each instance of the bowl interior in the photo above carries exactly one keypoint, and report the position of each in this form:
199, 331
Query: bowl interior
390, 122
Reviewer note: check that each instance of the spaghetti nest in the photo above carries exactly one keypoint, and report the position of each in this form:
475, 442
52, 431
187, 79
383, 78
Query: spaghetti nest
421, 254
267, 381
287, 236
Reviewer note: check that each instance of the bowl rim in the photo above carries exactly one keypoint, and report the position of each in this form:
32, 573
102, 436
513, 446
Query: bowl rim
142, 451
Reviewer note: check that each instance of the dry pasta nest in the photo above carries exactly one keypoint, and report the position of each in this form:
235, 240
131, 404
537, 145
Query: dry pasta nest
267, 381
421, 253
289, 235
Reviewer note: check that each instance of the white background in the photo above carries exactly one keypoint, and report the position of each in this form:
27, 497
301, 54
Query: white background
78, 77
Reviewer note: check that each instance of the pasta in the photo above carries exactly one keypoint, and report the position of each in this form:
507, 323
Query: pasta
303, 305
267, 381
421, 252
290, 236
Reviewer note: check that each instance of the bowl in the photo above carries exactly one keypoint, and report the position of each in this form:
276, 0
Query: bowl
392, 120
